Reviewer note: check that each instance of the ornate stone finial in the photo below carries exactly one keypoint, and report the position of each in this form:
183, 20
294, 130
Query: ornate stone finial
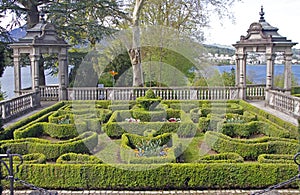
262, 13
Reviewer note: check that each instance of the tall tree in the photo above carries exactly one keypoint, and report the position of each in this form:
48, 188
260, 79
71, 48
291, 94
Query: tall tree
135, 51
80, 22
186, 16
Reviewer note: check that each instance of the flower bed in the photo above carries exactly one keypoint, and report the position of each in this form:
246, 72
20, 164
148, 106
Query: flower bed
147, 150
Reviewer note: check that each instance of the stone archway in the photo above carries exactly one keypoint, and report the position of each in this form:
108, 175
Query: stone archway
262, 37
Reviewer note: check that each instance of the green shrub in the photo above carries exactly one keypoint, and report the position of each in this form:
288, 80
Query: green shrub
250, 149
186, 107
33, 158
81, 144
60, 131
271, 119
74, 158
221, 108
222, 158
158, 177
115, 107
149, 101
41, 116
276, 158
116, 125
246, 130
209, 123
147, 150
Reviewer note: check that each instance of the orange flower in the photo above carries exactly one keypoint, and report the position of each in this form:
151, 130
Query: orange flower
113, 73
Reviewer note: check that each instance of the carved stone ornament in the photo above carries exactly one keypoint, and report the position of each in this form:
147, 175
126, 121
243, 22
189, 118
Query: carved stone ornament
255, 27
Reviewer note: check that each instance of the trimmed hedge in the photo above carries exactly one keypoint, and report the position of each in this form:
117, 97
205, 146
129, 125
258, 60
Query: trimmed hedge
269, 118
41, 116
60, 131
250, 149
116, 125
81, 144
229, 157
74, 158
221, 108
33, 158
276, 158
158, 177
245, 130
130, 141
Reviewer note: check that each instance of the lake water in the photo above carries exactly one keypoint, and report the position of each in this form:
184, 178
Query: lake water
8, 83
255, 73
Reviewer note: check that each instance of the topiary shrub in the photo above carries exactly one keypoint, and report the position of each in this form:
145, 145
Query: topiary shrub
137, 149
229, 157
149, 101
276, 158
74, 158
250, 149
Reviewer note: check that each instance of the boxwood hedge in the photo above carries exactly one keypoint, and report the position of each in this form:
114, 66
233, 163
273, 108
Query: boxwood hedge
81, 144
158, 177
229, 157
250, 149
74, 158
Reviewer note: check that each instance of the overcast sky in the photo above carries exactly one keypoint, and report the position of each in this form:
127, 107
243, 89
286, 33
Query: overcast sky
283, 14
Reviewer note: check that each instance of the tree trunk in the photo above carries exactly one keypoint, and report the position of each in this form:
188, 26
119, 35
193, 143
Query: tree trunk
135, 51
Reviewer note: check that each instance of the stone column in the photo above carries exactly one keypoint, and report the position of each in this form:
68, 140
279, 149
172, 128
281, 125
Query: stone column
242, 59
270, 71
63, 74
237, 70
35, 76
35, 72
17, 72
288, 72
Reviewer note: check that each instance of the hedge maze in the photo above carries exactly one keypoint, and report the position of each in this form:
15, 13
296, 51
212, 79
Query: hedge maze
212, 143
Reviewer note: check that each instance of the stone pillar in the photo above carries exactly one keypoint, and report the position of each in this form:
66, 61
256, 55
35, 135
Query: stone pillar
63, 74
35, 76
237, 71
35, 72
288, 72
17, 72
242, 60
270, 71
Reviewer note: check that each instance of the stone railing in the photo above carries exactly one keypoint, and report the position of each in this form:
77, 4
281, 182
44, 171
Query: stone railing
49, 93
283, 102
174, 93
255, 92
18, 106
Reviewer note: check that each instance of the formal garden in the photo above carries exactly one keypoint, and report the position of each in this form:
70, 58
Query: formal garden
149, 143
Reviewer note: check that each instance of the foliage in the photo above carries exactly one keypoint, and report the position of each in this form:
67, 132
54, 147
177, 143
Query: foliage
275, 158
74, 158
279, 80
153, 177
250, 149
150, 101
81, 144
222, 158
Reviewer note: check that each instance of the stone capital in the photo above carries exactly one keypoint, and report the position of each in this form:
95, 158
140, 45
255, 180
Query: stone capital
241, 56
270, 56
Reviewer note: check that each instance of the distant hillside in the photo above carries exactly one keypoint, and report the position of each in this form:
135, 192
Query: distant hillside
218, 49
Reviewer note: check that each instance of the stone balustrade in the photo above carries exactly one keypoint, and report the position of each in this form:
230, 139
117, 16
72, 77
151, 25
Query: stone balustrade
16, 107
166, 93
49, 93
283, 102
